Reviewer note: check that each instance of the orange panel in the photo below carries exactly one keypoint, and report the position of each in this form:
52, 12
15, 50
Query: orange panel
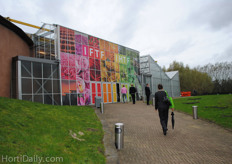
105, 97
110, 97
109, 88
104, 87
65, 86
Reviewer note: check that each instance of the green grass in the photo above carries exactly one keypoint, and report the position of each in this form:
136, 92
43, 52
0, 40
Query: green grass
215, 108
30, 129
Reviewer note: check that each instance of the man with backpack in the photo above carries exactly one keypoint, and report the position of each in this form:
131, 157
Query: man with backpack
162, 105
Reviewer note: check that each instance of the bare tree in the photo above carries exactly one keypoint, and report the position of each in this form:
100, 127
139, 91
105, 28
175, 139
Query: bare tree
219, 71
221, 74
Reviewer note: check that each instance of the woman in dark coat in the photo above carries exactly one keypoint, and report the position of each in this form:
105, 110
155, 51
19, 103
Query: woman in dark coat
162, 108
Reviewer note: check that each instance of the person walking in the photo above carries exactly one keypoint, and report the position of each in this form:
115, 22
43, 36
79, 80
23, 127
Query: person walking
132, 92
124, 92
162, 107
148, 93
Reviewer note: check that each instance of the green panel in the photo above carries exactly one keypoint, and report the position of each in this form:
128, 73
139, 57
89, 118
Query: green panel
131, 79
122, 59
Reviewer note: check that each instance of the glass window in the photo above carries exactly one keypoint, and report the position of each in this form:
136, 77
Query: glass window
56, 86
55, 68
47, 70
27, 97
37, 70
26, 68
56, 99
73, 99
37, 86
26, 86
47, 86
48, 99
65, 98
38, 98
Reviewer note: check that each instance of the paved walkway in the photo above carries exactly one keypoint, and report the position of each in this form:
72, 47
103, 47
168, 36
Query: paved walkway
191, 142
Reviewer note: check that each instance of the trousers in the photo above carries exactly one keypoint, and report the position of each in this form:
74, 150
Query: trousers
163, 115
148, 99
133, 98
124, 97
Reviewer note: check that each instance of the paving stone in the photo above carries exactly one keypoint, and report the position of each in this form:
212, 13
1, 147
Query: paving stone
191, 142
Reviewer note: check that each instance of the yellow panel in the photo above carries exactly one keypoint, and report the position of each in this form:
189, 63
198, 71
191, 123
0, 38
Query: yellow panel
115, 97
114, 87
104, 87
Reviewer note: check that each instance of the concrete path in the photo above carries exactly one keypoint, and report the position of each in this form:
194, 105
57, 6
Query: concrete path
191, 142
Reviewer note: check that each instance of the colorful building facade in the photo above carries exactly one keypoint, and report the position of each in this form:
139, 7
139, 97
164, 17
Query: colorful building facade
92, 67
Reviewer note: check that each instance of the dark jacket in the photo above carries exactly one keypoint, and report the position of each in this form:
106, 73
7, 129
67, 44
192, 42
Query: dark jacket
147, 91
159, 97
132, 90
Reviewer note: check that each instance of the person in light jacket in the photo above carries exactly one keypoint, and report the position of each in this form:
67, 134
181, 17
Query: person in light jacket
124, 92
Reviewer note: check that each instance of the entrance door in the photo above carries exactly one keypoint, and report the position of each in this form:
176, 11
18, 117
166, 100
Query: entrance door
118, 92
96, 91
114, 92
107, 92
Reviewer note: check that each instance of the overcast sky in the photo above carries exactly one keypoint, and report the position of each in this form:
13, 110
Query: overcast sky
195, 32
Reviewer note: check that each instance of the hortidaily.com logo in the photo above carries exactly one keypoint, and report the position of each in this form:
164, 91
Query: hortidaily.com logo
26, 158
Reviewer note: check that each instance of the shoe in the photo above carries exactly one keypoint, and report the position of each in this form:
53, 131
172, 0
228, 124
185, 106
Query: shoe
165, 132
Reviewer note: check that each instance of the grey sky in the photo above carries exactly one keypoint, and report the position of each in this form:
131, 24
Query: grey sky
194, 32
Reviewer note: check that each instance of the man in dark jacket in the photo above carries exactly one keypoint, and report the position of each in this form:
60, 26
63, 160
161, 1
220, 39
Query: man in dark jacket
132, 92
148, 93
162, 108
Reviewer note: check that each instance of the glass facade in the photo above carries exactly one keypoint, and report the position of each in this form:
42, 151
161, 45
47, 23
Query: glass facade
45, 42
38, 80
153, 75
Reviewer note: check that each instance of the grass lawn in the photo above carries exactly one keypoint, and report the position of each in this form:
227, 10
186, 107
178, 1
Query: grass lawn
29, 129
215, 108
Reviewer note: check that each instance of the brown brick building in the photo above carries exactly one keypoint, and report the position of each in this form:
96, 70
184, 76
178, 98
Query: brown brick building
13, 42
